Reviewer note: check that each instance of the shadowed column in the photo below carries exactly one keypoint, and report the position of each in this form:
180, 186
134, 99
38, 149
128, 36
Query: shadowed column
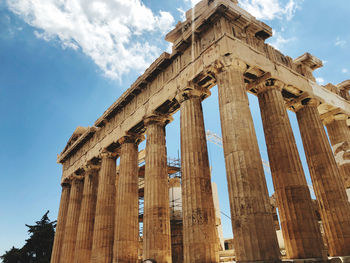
102, 243
126, 236
300, 229
326, 179
83, 245
339, 135
156, 220
61, 223
254, 233
199, 231
70, 236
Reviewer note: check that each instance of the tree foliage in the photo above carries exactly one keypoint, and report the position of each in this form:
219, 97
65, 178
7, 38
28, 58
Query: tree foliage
38, 246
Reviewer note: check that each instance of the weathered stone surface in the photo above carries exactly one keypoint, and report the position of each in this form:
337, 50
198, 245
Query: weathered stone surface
298, 220
169, 72
199, 230
83, 244
254, 234
223, 32
61, 223
156, 220
326, 179
102, 244
339, 135
126, 235
177, 254
70, 235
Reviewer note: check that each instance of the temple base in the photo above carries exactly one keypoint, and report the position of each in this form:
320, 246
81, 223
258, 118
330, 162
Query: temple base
345, 259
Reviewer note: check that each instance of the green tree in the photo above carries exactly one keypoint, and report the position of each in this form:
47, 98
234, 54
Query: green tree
38, 246
14, 255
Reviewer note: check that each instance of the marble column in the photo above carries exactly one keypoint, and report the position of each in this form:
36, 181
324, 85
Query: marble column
252, 223
70, 235
83, 245
102, 239
156, 219
326, 179
339, 135
300, 230
199, 230
61, 223
126, 237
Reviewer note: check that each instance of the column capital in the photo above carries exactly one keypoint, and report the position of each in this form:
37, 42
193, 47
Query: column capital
227, 63
162, 119
74, 178
335, 117
269, 84
131, 138
192, 91
66, 182
307, 102
91, 167
109, 155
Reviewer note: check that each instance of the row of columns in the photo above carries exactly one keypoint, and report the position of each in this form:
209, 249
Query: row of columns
100, 224
299, 227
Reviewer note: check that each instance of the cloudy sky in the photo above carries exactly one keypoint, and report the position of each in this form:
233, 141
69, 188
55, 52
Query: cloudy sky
62, 63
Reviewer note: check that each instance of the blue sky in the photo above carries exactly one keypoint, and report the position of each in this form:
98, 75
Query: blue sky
63, 64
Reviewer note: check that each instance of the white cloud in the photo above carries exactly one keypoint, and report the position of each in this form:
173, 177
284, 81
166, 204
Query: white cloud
193, 2
339, 42
278, 41
320, 81
344, 70
183, 13
271, 9
111, 32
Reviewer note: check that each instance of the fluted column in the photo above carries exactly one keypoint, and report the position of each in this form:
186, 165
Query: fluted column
252, 223
102, 243
199, 236
300, 230
156, 219
83, 245
61, 223
126, 236
71, 228
339, 135
326, 179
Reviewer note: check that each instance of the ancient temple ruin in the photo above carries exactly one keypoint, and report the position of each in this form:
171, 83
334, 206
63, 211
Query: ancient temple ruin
219, 44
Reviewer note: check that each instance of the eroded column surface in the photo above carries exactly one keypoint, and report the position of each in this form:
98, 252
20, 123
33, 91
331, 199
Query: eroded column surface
300, 230
254, 233
199, 236
339, 135
126, 236
102, 243
326, 179
70, 235
83, 245
156, 220
61, 223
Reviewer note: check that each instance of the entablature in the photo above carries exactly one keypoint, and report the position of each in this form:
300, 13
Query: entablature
155, 90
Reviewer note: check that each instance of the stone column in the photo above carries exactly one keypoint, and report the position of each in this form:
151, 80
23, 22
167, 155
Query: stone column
156, 220
254, 233
339, 135
70, 235
326, 179
61, 223
83, 245
102, 243
300, 230
126, 235
199, 230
